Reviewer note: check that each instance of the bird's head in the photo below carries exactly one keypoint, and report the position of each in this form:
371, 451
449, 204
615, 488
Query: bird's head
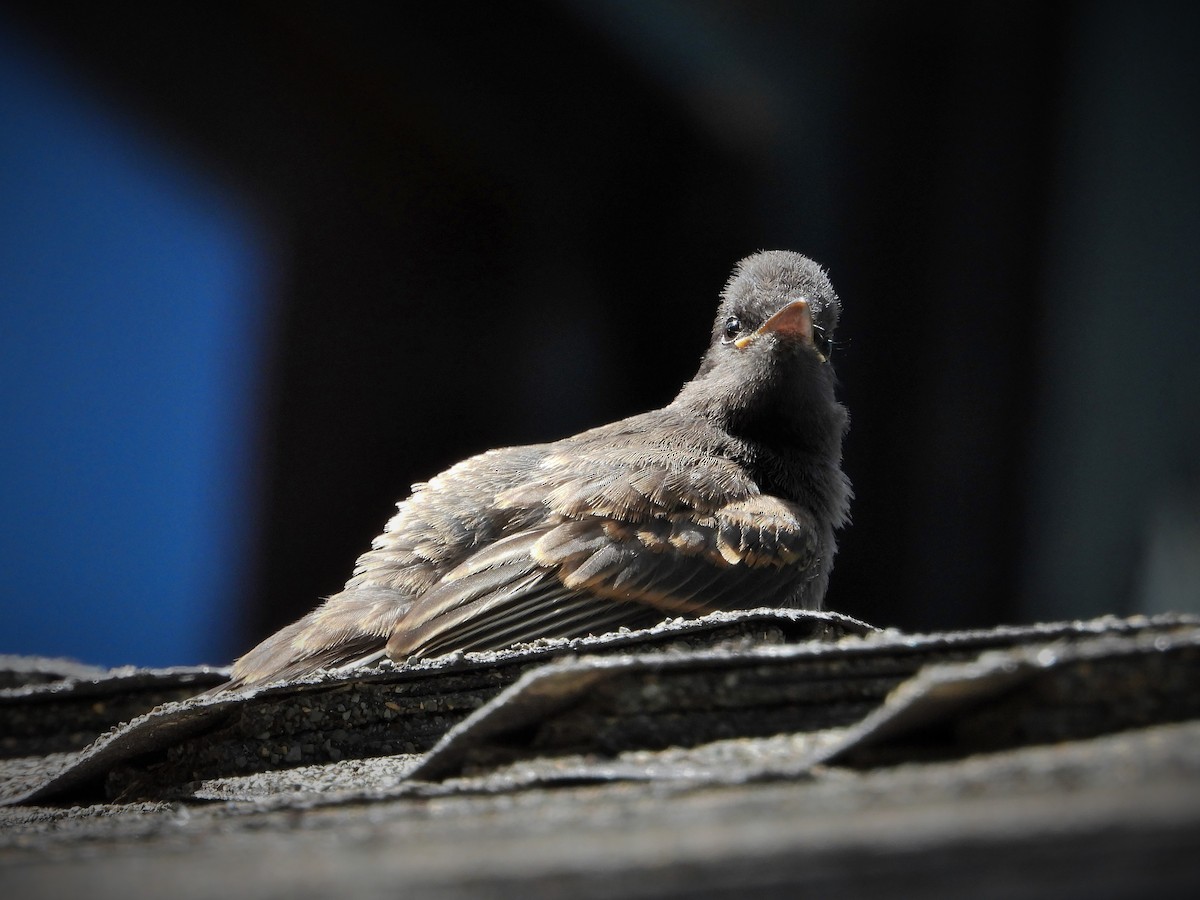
775, 298
768, 361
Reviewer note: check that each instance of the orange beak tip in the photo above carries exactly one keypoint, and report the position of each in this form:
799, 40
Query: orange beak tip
794, 320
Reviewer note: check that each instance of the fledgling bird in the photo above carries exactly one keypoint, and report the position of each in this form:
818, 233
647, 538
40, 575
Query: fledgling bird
726, 498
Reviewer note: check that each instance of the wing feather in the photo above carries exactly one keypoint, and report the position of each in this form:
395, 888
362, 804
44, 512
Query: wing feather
557, 541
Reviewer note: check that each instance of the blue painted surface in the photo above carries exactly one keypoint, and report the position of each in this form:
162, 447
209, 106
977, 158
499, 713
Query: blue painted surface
130, 300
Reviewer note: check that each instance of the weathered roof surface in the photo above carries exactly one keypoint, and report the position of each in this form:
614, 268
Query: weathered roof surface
765, 751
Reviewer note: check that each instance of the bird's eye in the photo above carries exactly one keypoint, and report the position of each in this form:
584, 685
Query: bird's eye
733, 327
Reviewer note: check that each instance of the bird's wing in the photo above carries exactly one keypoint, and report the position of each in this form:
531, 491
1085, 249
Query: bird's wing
628, 539
553, 541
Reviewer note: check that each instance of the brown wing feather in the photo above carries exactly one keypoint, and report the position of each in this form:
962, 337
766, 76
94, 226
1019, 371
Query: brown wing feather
555, 540
578, 576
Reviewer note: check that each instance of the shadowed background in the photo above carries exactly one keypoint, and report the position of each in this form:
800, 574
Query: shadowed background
265, 265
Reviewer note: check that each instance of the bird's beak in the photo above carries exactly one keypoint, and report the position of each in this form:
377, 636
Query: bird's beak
793, 321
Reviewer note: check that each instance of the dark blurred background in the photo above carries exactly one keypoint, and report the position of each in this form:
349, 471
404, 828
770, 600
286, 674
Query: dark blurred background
264, 265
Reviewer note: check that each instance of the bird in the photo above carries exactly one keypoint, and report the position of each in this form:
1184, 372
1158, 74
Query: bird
728, 497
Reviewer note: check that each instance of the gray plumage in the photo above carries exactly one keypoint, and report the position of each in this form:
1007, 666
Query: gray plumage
726, 498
